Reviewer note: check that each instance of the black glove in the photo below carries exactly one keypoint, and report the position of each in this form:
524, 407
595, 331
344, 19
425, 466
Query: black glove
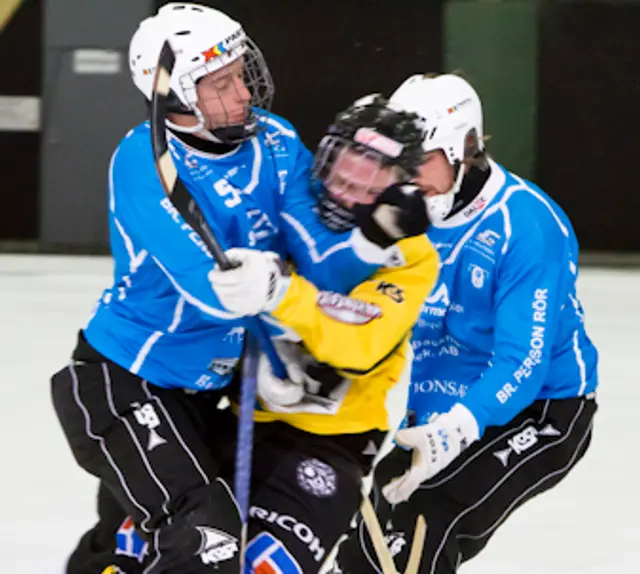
400, 211
321, 379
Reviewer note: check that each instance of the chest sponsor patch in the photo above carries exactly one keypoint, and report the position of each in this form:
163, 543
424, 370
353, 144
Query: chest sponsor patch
347, 310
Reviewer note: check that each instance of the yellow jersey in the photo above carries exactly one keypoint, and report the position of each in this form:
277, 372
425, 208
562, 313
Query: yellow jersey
364, 335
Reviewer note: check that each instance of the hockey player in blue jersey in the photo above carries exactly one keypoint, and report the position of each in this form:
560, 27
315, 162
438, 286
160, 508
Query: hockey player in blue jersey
160, 330
504, 374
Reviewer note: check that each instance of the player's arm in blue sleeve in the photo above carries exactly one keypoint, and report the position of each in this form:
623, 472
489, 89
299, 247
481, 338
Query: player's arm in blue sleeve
148, 218
331, 261
527, 306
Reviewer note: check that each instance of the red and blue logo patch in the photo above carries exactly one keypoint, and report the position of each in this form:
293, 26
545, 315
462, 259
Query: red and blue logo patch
129, 543
265, 554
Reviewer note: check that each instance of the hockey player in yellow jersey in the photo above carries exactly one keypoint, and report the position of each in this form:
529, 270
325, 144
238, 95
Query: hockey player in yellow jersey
355, 348
348, 357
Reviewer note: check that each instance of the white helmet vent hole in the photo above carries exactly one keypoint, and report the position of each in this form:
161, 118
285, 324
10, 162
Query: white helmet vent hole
183, 33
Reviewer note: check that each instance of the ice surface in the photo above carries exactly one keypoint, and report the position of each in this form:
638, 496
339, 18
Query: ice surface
587, 525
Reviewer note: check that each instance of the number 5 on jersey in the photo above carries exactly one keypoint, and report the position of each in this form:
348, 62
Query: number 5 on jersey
224, 189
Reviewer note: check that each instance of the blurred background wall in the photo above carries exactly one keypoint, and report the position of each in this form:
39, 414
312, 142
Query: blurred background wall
559, 79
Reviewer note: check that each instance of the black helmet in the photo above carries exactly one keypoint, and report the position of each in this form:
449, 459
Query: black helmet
374, 128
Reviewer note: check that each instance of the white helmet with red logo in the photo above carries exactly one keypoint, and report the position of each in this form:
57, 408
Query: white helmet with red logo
451, 110
204, 40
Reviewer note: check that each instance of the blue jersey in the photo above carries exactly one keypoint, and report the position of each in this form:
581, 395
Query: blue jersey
503, 325
161, 318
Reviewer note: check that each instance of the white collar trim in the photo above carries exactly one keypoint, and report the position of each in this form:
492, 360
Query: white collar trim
489, 190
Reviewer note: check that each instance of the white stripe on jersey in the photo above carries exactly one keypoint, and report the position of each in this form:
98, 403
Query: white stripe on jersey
564, 230
284, 131
153, 339
255, 170
112, 197
135, 260
316, 257
144, 351
507, 228
194, 300
581, 366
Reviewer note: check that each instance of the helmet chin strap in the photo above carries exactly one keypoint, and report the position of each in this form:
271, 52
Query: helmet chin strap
440, 205
199, 128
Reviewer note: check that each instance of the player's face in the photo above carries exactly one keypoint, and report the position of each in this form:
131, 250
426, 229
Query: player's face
358, 178
223, 97
435, 175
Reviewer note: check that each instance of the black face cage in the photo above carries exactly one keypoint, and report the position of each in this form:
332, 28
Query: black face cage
333, 214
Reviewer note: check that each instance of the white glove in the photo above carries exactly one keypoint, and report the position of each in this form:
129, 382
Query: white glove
435, 445
277, 392
257, 284
311, 387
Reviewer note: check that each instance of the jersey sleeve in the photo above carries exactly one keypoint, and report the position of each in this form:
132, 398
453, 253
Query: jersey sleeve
356, 333
531, 283
330, 260
146, 218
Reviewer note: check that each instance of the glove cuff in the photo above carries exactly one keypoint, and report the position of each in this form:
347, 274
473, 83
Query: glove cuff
464, 420
280, 290
370, 252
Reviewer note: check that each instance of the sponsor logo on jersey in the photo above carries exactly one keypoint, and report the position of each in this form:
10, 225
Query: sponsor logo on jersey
478, 276
392, 291
396, 258
265, 554
317, 478
146, 416
347, 310
536, 346
223, 367
484, 243
523, 441
300, 530
261, 225
273, 140
396, 541
216, 546
443, 387
129, 543
475, 206
439, 302
234, 335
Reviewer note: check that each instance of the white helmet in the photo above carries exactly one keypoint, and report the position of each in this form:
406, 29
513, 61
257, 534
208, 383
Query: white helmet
204, 40
451, 109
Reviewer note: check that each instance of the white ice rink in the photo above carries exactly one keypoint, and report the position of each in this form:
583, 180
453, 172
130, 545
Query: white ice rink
588, 525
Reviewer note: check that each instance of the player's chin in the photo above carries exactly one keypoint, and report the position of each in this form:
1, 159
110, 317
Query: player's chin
239, 118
